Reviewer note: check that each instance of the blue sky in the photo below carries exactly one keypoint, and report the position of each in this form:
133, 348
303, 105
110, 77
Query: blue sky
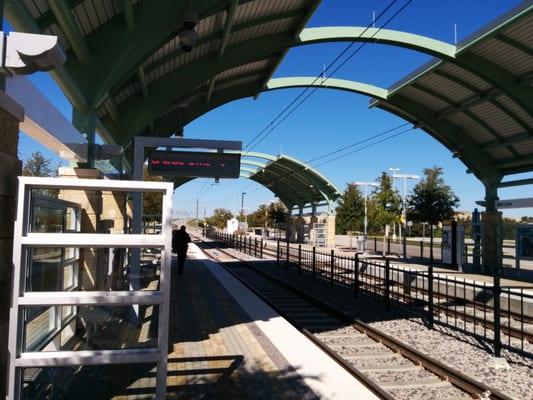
331, 119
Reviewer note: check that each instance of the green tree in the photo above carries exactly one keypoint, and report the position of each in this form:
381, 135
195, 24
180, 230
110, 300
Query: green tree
277, 213
219, 218
350, 210
385, 206
432, 201
152, 202
258, 217
39, 165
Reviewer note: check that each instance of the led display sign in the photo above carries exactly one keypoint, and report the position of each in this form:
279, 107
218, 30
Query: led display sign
194, 164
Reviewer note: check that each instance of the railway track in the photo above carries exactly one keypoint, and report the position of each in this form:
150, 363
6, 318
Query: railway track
391, 369
446, 306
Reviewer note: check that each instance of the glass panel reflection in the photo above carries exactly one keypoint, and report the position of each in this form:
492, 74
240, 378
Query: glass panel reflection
44, 269
65, 328
90, 382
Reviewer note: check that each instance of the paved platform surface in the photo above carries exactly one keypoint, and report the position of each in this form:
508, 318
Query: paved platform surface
224, 343
252, 352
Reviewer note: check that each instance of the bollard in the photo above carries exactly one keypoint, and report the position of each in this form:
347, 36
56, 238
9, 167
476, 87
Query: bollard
356, 276
387, 284
250, 245
314, 263
261, 250
430, 296
375, 245
332, 266
299, 259
255, 247
421, 249
388, 245
404, 247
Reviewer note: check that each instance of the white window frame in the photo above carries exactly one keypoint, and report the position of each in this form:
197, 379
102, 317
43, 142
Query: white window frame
23, 239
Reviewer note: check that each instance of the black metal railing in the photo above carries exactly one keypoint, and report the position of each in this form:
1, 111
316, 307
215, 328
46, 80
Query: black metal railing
498, 315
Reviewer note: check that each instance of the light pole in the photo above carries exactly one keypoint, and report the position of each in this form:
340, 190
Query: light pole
393, 176
404, 208
366, 185
242, 208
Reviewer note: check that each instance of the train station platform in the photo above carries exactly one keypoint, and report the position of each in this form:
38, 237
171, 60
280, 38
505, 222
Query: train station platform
227, 343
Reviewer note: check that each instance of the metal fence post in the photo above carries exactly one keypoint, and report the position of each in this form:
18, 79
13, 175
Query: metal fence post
404, 247
250, 245
421, 249
356, 276
314, 263
277, 255
430, 296
375, 245
288, 253
388, 245
261, 250
332, 265
387, 283
497, 315
299, 259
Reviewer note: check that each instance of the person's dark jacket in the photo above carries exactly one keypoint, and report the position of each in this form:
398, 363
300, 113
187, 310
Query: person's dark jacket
180, 241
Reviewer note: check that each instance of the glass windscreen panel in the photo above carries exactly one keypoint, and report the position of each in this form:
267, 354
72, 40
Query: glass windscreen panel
76, 328
90, 269
90, 382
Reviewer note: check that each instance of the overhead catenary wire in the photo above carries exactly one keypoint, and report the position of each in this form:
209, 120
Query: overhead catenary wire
324, 71
358, 142
287, 111
364, 147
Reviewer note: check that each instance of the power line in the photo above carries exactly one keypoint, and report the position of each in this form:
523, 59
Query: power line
330, 65
358, 143
364, 147
272, 125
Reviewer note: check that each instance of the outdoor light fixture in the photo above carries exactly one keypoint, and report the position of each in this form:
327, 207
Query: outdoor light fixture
187, 33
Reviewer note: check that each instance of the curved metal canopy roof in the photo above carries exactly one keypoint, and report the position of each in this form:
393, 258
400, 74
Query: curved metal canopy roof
295, 183
475, 98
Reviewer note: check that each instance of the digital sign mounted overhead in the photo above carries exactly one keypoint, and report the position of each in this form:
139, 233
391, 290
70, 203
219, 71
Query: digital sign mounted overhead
194, 164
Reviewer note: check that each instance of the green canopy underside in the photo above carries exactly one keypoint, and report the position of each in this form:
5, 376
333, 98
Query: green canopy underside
126, 70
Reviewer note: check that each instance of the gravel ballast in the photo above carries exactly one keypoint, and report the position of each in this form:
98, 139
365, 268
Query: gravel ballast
455, 349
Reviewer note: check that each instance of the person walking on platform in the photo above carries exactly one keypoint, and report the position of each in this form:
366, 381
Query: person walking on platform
180, 243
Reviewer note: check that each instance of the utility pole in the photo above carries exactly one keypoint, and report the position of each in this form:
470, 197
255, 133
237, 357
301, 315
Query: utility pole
197, 223
366, 185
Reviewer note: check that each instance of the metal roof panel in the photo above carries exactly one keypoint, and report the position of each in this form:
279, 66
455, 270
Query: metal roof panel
506, 56
496, 118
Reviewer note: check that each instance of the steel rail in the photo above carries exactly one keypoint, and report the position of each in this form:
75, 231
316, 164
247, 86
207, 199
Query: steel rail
456, 378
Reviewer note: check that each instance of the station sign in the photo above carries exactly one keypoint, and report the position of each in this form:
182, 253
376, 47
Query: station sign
515, 203
194, 164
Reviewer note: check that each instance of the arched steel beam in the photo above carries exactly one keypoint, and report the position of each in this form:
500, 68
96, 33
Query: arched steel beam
138, 112
263, 48
334, 83
448, 134
445, 132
